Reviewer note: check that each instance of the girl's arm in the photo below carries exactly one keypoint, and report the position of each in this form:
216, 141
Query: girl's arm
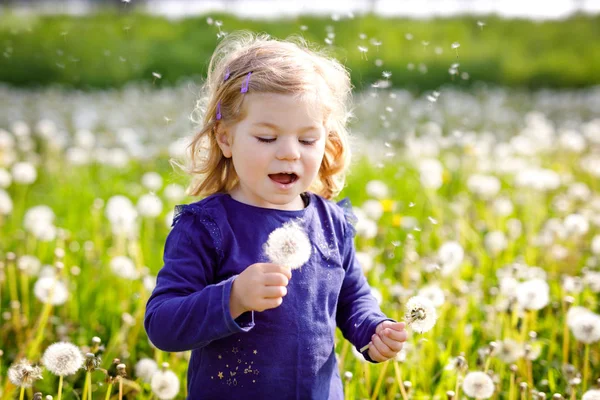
358, 313
186, 309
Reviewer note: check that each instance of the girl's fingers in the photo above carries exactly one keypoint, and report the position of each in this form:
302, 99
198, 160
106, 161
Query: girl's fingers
375, 354
272, 292
382, 348
393, 344
397, 336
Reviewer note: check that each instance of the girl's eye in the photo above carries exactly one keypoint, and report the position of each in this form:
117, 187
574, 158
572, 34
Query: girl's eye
264, 140
308, 142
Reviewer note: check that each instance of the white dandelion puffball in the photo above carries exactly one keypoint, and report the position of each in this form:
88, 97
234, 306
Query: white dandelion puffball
592, 280
62, 358
593, 394
431, 172
495, 242
174, 192
24, 173
23, 374
479, 385
121, 214
149, 205
586, 327
574, 312
152, 181
288, 246
169, 219
365, 227
365, 260
5, 178
145, 369
36, 216
484, 186
576, 225
433, 293
420, 314
510, 351
503, 207
6, 203
450, 255
596, 245
373, 209
29, 264
124, 267
377, 189
50, 290
533, 294
165, 385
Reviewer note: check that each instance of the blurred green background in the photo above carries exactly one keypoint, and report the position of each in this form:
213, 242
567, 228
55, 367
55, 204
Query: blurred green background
111, 48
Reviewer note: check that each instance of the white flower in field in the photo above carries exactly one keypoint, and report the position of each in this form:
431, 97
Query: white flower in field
169, 219
377, 295
122, 215
165, 384
6, 204
431, 172
572, 141
24, 173
579, 191
85, 139
288, 246
591, 130
20, 129
78, 156
124, 267
508, 287
46, 128
373, 209
572, 284
365, 227
377, 189
450, 256
420, 314
533, 294
538, 179
149, 205
180, 149
509, 351
38, 215
434, 293
63, 358
503, 207
576, 225
7, 141
595, 247
174, 192
485, 186
592, 280
593, 394
149, 282
559, 252
574, 312
29, 264
152, 181
50, 290
591, 164
586, 327
23, 374
5, 178
515, 228
365, 260
479, 385
145, 369
495, 242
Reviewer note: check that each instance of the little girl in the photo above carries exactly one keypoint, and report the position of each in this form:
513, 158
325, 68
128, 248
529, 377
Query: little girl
272, 151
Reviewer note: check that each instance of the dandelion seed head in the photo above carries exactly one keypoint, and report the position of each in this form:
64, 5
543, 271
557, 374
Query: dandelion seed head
479, 385
49, 289
586, 328
165, 384
593, 394
23, 374
63, 358
149, 205
533, 294
288, 246
420, 314
124, 267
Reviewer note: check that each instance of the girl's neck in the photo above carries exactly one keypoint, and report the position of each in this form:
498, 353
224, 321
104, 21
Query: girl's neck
299, 203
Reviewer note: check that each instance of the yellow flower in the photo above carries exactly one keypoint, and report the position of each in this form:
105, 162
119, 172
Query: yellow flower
446, 177
388, 205
396, 220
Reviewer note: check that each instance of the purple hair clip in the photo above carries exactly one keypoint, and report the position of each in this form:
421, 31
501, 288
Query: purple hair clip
219, 110
246, 83
226, 74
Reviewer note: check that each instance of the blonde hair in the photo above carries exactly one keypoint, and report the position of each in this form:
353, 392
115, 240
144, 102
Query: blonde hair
283, 67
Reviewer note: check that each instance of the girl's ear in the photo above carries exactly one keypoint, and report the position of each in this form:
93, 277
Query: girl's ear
223, 140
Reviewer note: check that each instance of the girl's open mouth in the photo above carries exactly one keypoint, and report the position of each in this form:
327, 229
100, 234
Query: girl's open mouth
284, 180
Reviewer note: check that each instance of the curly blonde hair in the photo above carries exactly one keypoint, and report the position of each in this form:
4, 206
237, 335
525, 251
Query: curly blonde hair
282, 67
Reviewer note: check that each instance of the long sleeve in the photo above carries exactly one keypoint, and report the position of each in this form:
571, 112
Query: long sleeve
358, 313
187, 310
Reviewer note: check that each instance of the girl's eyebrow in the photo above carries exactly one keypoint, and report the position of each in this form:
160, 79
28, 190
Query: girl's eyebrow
277, 128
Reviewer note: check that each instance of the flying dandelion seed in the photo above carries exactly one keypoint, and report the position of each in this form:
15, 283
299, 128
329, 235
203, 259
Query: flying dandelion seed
411, 204
303, 28
328, 41
455, 46
156, 76
362, 36
433, 220
363, 51
480, 24
386, 74
408, 36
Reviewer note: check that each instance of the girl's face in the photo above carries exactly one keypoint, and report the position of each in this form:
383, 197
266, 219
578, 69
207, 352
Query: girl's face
276, 150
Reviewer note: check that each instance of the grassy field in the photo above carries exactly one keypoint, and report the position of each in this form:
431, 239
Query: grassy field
108, 49
501, 233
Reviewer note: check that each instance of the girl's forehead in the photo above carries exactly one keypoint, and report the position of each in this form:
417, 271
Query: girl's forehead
282, 107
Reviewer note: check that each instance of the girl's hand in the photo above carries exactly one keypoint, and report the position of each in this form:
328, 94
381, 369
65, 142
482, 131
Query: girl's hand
387, 340
260, 287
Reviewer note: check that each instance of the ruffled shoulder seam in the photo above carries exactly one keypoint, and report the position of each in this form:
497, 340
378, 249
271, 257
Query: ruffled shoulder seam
205, 217
349, 215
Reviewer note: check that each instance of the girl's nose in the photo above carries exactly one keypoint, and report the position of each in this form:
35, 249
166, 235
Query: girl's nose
289, 149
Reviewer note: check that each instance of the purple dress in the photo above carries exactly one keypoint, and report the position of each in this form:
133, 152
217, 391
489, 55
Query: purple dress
286, 352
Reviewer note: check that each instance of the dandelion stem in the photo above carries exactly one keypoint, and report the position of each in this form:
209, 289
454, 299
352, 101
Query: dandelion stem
511, 390
399, 380
60, 384
120, 388
379, 380
108, 391
586, 367
22, 394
